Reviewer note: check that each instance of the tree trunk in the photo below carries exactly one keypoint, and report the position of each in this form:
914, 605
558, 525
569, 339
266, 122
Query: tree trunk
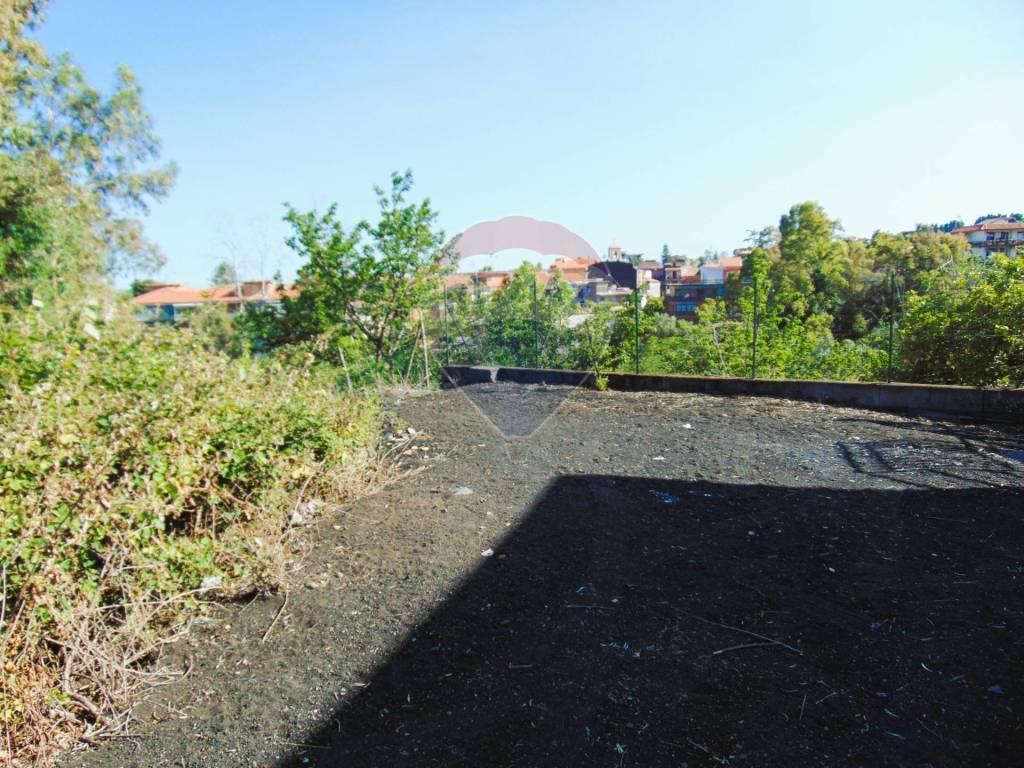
344, 365
412, 356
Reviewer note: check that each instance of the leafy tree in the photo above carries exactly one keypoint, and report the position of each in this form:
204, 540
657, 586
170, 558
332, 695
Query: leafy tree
525, 323
75, 168
666, 255
710, 256
809, 270
766, 237
224, 274
595, 350
624, 329
1010, 216
971, 332
369, 281
141, 286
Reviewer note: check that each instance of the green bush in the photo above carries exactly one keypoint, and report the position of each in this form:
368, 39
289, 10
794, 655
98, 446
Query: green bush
972, 333
139, 466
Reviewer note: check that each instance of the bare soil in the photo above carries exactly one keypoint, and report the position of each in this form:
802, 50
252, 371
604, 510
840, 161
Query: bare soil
646, 579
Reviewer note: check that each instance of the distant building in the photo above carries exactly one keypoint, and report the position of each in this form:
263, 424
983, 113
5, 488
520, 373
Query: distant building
674, 273
685, 292
614, 281
998, 235
487, 282
170, 302
458, 281
650, 270
572, 270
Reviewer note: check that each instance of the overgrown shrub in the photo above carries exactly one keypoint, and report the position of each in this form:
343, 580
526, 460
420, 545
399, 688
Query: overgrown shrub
972, 333
140, 470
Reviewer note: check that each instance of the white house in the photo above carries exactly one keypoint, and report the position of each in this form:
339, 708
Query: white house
998, 235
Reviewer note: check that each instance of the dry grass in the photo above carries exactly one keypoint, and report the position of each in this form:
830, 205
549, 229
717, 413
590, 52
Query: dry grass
143, 477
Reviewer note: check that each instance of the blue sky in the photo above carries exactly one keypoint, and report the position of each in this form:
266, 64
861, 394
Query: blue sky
638, 123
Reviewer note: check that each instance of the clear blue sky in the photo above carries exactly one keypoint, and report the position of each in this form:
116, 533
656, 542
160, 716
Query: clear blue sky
642, 123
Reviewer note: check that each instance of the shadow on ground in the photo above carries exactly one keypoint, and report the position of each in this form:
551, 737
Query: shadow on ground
937, 454
516, 410
632, 621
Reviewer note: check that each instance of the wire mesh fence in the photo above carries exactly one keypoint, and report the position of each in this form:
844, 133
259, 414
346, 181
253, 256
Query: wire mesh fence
748, 329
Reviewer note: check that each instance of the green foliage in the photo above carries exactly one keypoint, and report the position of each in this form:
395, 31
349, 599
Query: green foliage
45, 229
824, 304
224, 274
74, 170
369, 282
1010, 216
136, 462
594, 350
525, 322
972, 332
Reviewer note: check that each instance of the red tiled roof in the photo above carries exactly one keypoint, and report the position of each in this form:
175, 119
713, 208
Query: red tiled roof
564, 264
729, 262
218, 294
458, 280
992, 225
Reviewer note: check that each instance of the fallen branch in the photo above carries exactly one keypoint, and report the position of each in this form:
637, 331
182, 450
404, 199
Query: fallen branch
276, 617
767, 639
738, 647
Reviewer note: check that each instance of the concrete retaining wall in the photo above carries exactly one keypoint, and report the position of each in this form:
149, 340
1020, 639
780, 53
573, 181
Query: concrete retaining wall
978, 402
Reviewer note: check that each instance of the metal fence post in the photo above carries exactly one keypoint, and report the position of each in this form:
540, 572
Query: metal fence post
892, 318
447, 355
753, 362
536, 326
636, 328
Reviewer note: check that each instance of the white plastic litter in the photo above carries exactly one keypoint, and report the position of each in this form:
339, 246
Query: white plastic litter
211, 582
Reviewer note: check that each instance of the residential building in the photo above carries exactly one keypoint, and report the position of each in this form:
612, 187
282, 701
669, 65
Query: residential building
676, 272
1002, 234
572, 270
687, 292
649, 271
170, 302
487, 282
614, 281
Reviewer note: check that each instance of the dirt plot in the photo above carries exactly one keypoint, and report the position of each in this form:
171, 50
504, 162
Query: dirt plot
646, 579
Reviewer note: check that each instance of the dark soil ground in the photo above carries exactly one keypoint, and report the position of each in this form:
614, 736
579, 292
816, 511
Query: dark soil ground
645, 580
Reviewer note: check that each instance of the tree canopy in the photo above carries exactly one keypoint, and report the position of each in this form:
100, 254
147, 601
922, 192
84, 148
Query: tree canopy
76, 166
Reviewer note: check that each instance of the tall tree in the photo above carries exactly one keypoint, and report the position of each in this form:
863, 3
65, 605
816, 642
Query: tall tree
372, 279
224, 274
76, 163
666, 255
809, 269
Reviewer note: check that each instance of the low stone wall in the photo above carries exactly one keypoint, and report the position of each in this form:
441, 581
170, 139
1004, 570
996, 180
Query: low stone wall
978, 402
